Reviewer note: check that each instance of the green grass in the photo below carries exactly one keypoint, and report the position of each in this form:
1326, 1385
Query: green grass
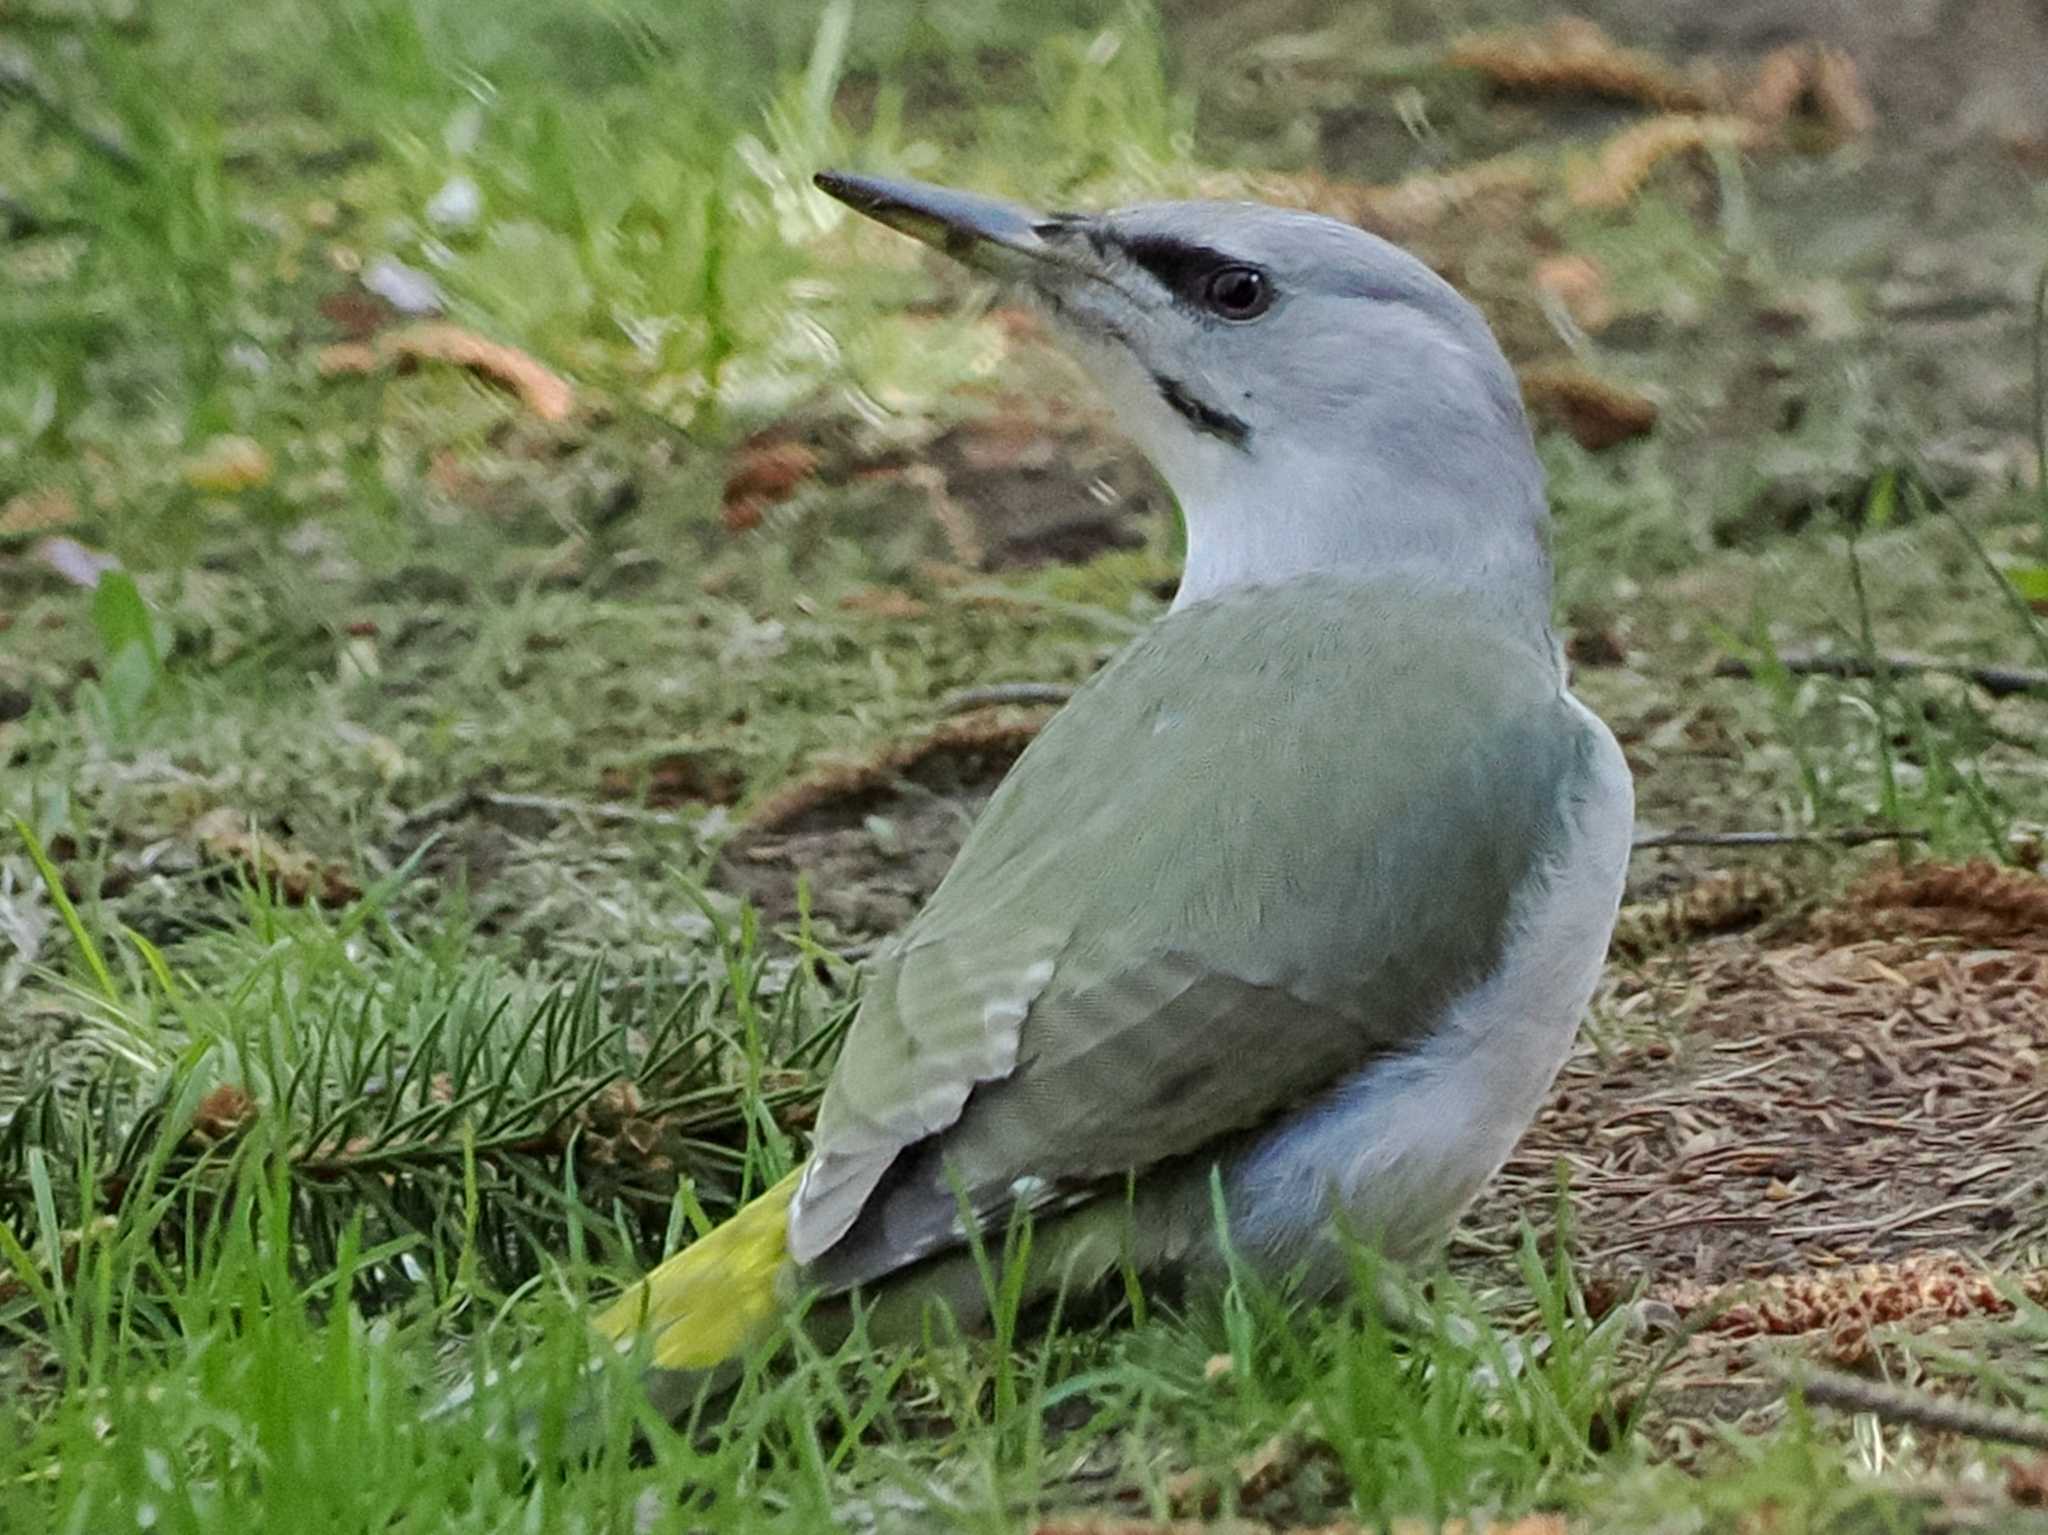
253, 1389
434, 1173
273, 1176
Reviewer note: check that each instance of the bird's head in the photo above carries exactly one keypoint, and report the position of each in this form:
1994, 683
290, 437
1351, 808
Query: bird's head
1316, 397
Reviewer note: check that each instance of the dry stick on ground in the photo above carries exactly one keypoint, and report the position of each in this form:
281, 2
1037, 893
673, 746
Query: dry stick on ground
960, 700
1895, 1404
1849, 836
449, 806
2000, 681
597, 810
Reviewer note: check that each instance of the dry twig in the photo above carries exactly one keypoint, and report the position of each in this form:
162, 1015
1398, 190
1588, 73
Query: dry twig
450, 806
1999, 681
993, 734
1848, 836
998, 694
1918, 1409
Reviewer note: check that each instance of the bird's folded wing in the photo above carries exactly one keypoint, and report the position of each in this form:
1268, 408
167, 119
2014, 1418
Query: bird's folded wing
1275, 838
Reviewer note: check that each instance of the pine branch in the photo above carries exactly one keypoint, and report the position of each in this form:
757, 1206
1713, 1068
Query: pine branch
587, 1107
18, 80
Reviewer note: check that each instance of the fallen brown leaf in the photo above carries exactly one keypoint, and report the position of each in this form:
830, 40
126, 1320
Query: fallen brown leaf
222, 1113
1781, 77
541, 390
37, 511
1574, 56
226, 466
226, 835
999, 734
1616, 173
1579, 284
763, 472
1838, 95
1597, 413
1194, 1492
2026, 1481
676, 778
614, 1104
772, 468
882, 602
1810, 81
355, 314
1267, 1468
346, 358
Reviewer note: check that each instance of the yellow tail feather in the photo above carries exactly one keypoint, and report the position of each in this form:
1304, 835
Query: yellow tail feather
717, 1295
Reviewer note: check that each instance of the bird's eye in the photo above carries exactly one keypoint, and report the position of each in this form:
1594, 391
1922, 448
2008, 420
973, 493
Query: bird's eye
1238, 293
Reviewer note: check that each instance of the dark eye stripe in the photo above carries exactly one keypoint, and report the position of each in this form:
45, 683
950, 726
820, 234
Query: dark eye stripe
1181, 266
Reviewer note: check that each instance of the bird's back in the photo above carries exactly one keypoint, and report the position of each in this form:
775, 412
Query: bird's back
1273, 839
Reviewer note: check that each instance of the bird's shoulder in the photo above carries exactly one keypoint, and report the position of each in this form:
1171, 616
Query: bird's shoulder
1346, 701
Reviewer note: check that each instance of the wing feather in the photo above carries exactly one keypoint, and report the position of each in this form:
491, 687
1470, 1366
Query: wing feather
1278, 836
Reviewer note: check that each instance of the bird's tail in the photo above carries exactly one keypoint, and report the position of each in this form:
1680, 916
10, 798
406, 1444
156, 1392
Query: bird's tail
717, 1296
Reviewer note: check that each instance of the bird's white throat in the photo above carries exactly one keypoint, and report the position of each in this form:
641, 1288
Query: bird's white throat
1417, 484
1254, 523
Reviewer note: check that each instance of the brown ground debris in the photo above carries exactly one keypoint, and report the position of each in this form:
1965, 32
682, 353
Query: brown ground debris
1853, 1117
1573, 56
1596, 411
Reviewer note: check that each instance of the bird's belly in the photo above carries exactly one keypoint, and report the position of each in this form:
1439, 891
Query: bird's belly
1396, 1152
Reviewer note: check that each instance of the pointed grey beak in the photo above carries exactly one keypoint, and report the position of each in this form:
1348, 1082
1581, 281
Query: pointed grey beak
997, 237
